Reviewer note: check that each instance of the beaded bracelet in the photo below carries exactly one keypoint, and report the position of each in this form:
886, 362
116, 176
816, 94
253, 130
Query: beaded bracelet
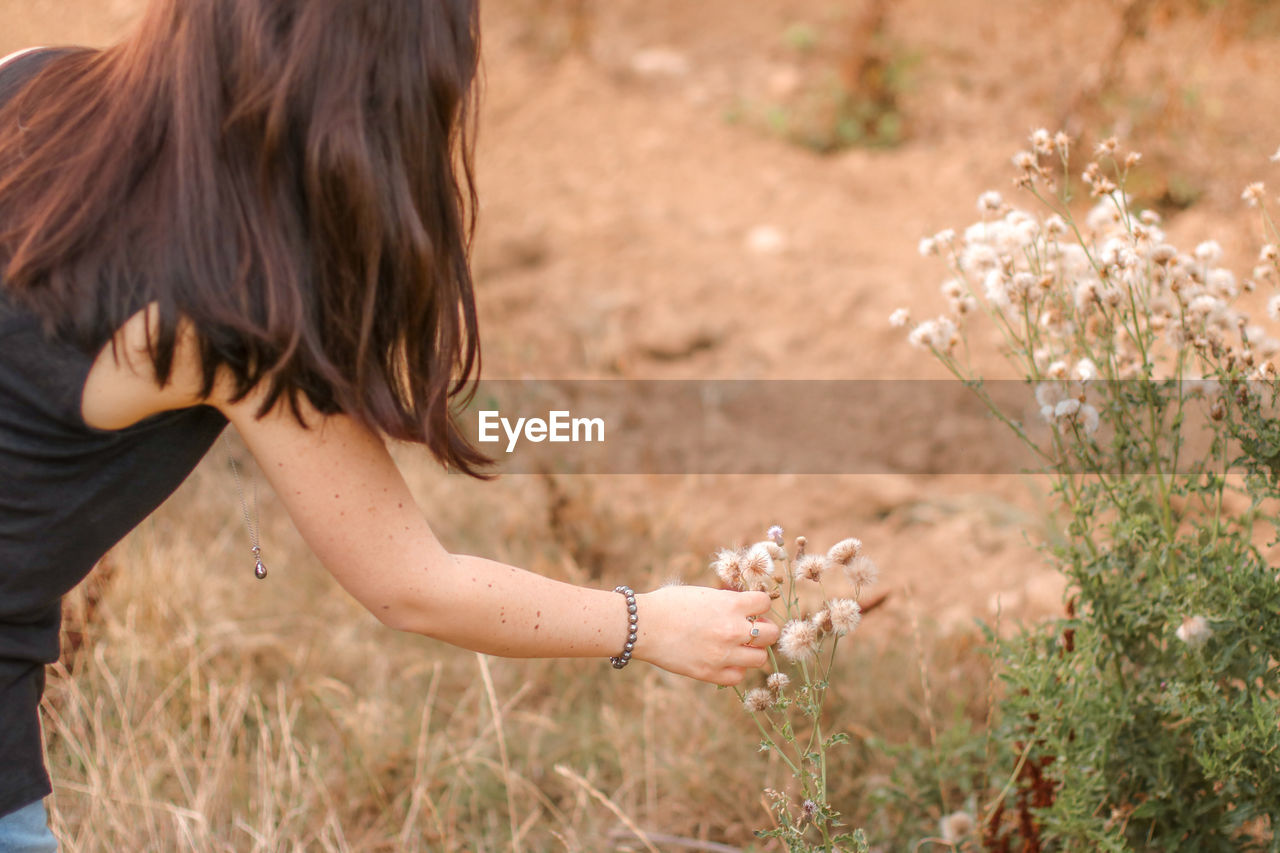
632, 619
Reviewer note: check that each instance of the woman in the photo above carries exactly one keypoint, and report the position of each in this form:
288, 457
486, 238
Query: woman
259, 212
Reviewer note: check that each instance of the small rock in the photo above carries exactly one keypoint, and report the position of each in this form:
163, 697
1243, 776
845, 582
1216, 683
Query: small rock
784, 81
766, 240
659, 62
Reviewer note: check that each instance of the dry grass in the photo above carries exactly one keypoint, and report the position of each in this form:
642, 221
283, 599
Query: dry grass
210, 711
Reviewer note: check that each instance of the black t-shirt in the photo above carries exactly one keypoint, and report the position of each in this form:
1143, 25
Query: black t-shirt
68, 492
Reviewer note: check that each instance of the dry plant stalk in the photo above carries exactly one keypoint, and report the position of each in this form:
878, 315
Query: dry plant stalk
789, 717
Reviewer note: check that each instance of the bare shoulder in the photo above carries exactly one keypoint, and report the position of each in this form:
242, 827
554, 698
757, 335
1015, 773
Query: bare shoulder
122, 387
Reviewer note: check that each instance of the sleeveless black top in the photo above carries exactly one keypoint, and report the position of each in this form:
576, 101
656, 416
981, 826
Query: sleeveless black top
68, 492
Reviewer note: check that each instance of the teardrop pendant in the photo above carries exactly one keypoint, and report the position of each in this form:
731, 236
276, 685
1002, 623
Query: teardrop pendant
250, 522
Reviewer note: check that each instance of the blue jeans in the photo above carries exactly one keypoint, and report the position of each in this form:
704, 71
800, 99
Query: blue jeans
27, 831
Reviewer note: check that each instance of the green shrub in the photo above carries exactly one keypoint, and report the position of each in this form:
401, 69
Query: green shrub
1147, 717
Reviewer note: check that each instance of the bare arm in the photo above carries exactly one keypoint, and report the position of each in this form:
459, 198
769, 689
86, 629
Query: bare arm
350, 503
352, 506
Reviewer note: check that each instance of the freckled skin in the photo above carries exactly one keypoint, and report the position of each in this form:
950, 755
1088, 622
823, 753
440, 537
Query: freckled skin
335, 451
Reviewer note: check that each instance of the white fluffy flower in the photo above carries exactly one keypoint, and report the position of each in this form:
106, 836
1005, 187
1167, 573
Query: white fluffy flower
1086, 294
1223, 283
1021, 284
1086, 370
1205, 306
1103, 217
996, 288
1073, 260
727, 568
756, 566
1067, 408
1111, 295
1209, 252
1273, 307
799, 640
1162, 253
1022, 232
1050, 393
845, 614
956, 827
862, 572
989, 202
811, 567
1116, 253
1194, 631
843, 552
899, 318
978, 257
1089, 419
1042, 141
757, 699
1055, 226
940, 334
1002, 237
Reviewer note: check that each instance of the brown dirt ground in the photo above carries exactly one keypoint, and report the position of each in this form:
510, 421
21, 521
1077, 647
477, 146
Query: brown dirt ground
624, 215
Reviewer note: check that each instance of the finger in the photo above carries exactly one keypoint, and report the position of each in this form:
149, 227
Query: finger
761, 634
769, 633
729, 676
754, 603
748, 657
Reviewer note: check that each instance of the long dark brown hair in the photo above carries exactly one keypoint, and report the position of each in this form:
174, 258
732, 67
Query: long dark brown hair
292, 177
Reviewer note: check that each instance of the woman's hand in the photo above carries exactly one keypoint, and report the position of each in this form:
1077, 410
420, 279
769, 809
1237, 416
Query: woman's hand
704, 633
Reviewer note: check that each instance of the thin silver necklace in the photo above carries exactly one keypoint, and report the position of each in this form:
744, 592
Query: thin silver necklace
250, 523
